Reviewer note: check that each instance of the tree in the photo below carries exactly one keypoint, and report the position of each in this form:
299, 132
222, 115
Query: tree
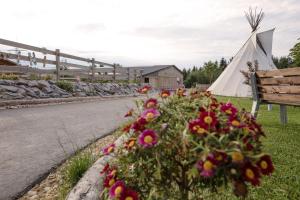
194, 69
223, 63
282, 62
184, 72
211, 70
295, 54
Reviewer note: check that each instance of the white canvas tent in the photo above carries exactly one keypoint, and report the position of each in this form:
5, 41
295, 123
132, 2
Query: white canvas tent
257, 47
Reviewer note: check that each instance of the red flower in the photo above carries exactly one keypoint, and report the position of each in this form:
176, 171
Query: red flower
208, 118
197, 127
206, 168
109, 149
251, 174
207, 93
235, 122
126, 128
130, 143
130, 195
105, 169
180, 92
150, 103
109, 181
228, 109
265, 165
144, 90
165, 93
129, 113
213, 106
139, 124
117, 189
218, 157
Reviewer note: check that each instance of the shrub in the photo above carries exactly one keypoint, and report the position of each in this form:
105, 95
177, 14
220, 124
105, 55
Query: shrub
65, 85
181, 146
9, 77
48, 77
34, 77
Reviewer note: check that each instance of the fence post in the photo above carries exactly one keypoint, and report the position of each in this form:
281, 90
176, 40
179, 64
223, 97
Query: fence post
128, 74
135, 75
141, 76
57, 54
93, 69
114, 73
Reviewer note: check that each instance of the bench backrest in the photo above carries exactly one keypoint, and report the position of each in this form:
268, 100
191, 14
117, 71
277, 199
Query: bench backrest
280, 86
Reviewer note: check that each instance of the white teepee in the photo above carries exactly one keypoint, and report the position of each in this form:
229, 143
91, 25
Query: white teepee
257, 47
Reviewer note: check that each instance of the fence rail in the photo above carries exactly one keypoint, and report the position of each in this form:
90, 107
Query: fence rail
93, 70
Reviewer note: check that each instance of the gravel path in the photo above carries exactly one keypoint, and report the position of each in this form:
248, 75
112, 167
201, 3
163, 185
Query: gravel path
34, 140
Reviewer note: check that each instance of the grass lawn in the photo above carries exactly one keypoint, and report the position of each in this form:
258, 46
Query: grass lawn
283, 143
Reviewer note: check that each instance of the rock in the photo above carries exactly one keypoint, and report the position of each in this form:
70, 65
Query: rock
33, 83
22, 91
43, 84
12, 96
32, 193
9, 88
22, 82
7, 82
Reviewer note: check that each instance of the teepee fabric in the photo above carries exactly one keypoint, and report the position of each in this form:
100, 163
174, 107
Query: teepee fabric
230, 82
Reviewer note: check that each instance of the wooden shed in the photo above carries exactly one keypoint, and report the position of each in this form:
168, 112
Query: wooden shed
161, 76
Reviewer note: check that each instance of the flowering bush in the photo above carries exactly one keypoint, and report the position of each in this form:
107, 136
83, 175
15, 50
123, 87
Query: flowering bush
181, 145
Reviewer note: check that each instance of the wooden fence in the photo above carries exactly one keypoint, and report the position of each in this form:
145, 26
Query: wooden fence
93, 70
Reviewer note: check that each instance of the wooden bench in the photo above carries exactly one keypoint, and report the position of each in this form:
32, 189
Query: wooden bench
280, 86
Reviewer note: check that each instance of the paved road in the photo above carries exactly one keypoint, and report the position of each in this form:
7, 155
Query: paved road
30, 137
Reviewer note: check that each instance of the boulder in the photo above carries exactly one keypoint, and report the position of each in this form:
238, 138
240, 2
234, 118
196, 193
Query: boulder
33, 83
43, 84
22, 82
12, 96
9, 88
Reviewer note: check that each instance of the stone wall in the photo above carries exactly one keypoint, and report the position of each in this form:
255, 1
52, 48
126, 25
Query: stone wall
25, 89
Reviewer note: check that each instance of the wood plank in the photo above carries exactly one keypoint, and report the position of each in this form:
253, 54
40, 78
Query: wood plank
65, 55
287, 99
26, 46
288, 89
26, 58
103, 63
295, 71
294, 80
75, 65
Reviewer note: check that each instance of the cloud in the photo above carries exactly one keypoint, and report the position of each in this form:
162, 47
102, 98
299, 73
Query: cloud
93, 27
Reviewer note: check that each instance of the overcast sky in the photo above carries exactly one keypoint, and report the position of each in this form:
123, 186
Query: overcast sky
146, 32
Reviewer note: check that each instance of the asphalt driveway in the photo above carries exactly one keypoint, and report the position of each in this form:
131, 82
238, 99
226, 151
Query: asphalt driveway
33, 140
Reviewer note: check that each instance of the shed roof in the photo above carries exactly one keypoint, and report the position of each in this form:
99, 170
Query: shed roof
155, 68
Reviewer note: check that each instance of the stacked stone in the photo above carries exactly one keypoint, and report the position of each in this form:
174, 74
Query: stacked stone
39, 89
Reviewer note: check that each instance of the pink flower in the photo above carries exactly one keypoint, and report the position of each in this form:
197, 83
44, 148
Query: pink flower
148, 138
109, 149
150, 114
151, 103
117, 189
130, 195
207, 167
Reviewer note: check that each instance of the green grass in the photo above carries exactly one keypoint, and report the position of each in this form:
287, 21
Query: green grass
74, 170
283, 143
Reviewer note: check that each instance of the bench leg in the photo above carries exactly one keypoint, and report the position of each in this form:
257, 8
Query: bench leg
255, 107
283, 114
269, 107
